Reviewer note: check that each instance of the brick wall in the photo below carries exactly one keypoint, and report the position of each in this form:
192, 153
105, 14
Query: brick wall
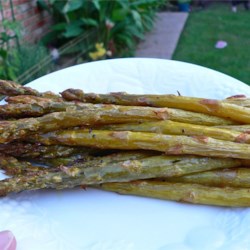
34, 22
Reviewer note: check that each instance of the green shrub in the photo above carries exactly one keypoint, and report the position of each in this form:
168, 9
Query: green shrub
25, 64
118, 24
29, 62
20, 62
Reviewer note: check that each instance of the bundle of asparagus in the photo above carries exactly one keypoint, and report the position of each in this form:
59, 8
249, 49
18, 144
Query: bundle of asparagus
163, 146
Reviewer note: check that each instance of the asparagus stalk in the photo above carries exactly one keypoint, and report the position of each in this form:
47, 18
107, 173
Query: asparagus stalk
31, 99
30, 106
36, 109
169, 166
19, 110
12, 166
236, 177
15, 167
104, 169
26, 99
170, 144
10, 88
183, 192
239, 128
12, 130
94, 154
240, 100
177, 128
29, 150
64, 161
206, 106
183, 116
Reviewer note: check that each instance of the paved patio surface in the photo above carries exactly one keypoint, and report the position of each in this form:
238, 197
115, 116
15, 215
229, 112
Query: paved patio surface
162, 40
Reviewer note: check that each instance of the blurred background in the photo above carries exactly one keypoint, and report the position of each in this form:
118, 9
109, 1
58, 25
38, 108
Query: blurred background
42, 36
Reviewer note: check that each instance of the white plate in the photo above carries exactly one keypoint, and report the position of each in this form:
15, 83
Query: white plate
98, 220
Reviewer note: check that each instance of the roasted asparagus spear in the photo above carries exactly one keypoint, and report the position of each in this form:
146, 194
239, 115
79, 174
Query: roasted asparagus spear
105, 169
240, 100
40, 108
12, 166
170, 144
183, 192
240, 128
34, 150
177, 128
93, 153
236, 177
201, 105
12, 130
30, 99
10, 88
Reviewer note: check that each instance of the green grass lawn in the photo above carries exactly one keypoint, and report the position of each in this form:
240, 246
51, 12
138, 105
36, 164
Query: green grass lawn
204, 28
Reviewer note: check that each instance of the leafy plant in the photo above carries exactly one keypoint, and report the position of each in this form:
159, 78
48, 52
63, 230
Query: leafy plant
118, 24
29, 62
9, 34
6, 71
24, 64
20, 62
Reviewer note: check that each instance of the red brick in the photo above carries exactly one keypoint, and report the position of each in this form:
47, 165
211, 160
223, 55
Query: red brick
38, 31
26, 7
20, 16
7, 14
30, 21
37, 10
33, 29
35, 23
40, 23
5, 4
23, 1
28, 13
